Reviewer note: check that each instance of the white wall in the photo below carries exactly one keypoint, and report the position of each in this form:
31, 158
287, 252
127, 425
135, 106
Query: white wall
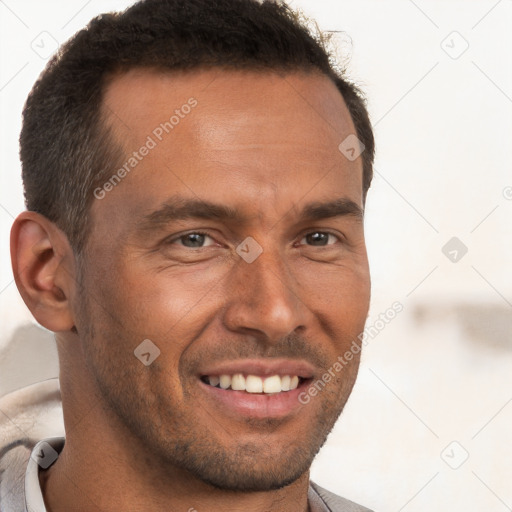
441, 371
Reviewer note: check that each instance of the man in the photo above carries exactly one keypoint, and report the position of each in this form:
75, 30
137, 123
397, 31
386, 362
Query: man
195, 176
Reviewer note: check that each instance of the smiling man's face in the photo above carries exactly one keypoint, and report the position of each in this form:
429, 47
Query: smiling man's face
174, 257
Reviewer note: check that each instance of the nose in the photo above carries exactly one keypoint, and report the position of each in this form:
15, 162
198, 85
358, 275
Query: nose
264, 296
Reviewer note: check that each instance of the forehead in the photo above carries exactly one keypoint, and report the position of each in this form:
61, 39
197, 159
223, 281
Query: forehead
242, 138
263, 102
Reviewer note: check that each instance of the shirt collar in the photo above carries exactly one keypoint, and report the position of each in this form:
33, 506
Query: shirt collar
43, 455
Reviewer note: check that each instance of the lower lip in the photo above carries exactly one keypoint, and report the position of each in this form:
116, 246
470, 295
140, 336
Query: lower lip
254, 405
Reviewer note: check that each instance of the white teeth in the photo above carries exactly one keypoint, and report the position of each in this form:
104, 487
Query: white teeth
238, 382
255, 384
272, 384
225, 381
285, 383
214, 381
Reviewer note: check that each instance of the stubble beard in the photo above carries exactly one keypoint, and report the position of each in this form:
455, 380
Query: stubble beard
175, 442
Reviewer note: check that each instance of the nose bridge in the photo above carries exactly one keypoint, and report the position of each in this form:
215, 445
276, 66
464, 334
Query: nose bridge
264, 296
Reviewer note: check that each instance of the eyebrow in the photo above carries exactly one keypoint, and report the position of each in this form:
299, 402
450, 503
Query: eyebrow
180, 208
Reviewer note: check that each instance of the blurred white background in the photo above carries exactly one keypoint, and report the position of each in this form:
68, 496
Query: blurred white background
428, 426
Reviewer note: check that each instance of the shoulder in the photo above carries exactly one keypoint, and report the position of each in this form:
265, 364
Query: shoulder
26, 416
337, 503
33, 411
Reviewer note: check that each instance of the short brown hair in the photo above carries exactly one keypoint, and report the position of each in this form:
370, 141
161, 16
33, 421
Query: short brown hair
65, 148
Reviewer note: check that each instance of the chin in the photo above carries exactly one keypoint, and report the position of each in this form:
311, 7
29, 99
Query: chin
248, 467
250, 480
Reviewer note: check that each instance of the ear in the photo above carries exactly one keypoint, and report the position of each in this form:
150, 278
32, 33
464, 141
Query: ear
43, 264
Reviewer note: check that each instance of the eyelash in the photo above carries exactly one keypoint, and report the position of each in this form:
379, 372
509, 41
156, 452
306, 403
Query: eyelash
208, 234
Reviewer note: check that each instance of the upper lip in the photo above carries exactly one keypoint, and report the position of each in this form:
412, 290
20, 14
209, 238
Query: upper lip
262, 367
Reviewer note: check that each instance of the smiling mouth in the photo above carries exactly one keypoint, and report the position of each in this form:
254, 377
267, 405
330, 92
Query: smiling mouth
255, 384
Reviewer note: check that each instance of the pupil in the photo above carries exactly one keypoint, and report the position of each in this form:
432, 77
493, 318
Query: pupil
316, 237
194, 238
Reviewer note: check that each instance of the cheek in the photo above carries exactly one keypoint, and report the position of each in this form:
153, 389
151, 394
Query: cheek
340, 300
138, 304
338, 288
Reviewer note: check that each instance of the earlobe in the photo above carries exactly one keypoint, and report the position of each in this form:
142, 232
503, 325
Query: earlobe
44, 270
